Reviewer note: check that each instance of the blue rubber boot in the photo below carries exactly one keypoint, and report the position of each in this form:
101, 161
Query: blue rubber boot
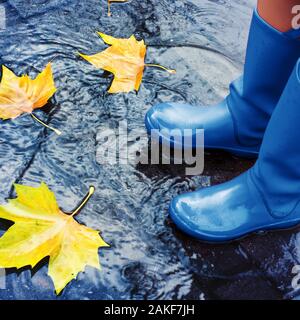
238, 123
266, 197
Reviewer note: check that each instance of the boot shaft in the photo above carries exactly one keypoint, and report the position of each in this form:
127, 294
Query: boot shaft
277, 170
270, 59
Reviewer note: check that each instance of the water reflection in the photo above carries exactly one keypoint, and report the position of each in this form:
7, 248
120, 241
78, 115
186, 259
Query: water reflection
205, 41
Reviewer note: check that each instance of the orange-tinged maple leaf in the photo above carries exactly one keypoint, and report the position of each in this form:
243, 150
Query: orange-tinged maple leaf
22, 94
125, 58
41, 229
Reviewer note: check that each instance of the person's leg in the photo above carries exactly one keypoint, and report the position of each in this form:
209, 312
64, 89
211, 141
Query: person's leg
278, 13
266, 197
243, 115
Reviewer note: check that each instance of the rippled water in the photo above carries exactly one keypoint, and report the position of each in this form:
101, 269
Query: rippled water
148, 259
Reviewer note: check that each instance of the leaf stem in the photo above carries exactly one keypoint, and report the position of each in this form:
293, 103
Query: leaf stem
45, 125
108, 9
84, 201
161, 67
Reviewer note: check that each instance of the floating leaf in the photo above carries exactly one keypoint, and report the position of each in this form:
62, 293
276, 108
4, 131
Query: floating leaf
41, 229
125, 58
20, 95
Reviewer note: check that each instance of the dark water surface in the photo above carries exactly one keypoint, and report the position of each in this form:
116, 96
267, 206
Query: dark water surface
148, 259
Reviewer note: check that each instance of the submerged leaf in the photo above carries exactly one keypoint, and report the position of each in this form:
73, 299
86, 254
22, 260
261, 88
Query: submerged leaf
41, 229
111, 1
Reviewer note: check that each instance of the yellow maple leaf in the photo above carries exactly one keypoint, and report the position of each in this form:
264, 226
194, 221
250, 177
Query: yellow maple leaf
20, 95
111, 1
125, 58
41, 229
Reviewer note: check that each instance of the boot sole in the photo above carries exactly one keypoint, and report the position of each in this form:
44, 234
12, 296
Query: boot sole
260, 232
